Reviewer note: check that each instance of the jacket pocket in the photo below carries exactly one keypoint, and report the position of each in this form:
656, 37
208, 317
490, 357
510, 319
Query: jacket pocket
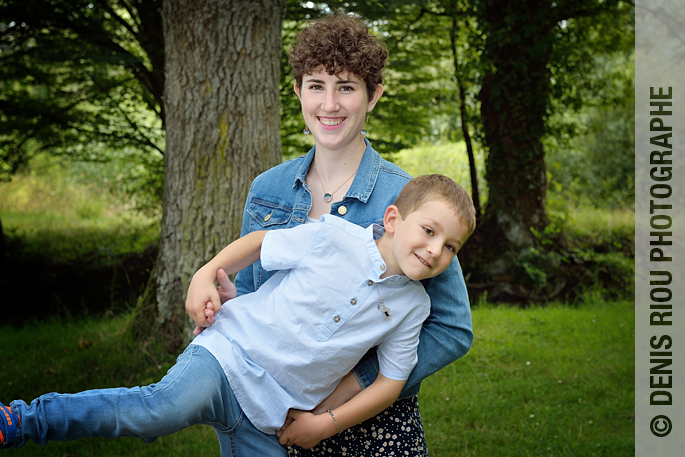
268, 215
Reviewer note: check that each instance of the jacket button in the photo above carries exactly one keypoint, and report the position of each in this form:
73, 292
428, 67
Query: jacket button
342, 210
267, 217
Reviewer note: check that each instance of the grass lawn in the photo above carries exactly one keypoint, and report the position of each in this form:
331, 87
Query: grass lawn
552, 381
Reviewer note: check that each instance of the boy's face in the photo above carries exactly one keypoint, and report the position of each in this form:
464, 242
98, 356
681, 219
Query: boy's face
426, 240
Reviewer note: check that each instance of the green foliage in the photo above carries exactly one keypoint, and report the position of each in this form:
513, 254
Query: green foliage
78, 77
449, 159
590, 150
589, 250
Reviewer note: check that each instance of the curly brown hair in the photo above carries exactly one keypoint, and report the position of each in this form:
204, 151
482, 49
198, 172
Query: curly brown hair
339, 43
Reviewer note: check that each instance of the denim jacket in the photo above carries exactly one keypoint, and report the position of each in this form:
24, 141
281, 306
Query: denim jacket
280, 198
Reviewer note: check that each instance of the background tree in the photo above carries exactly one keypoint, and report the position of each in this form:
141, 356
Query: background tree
222, 103
523, 49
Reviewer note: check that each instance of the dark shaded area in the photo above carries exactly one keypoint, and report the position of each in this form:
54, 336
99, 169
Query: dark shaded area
35, 287
558, 268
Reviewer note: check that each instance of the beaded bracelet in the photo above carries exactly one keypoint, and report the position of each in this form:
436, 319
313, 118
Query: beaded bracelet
336, 422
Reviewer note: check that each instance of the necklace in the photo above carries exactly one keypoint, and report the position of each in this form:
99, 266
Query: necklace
328, 196
381, 306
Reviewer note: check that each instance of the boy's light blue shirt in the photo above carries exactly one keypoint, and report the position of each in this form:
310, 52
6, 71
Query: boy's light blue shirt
280, 198
289, 344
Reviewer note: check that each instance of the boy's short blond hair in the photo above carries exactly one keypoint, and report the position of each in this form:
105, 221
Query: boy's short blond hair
437, 187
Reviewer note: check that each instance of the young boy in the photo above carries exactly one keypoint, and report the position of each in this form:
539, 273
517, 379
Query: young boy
281, 350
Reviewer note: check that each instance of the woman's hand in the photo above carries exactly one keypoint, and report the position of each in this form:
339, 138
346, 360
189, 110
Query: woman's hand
226, 289
305, 429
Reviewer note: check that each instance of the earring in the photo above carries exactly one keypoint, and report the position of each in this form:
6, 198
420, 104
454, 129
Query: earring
364, 132
306, 131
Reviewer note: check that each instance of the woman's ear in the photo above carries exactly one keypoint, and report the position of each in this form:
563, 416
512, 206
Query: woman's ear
376, 95
297, 90
390, 218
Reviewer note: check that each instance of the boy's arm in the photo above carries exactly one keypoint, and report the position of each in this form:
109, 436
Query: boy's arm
307, 429
446, 335
242, 253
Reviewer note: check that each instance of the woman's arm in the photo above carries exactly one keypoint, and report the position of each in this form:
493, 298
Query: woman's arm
308, 429
241, 253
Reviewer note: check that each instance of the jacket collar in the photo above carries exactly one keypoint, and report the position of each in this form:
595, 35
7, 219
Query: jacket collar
364, 181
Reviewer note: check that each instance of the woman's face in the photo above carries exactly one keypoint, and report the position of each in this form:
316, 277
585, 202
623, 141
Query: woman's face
334, 108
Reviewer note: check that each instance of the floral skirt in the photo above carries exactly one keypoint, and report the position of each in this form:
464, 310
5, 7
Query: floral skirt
397, 431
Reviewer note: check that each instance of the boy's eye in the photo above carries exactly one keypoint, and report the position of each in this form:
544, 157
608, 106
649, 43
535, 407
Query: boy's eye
450, 247
428, 230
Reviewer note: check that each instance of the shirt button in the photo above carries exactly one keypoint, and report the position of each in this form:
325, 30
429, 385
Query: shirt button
369, 283
336, 318
382, 267
342, 210
353, 301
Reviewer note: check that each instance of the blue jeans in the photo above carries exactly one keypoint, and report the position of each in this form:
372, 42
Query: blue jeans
194, 391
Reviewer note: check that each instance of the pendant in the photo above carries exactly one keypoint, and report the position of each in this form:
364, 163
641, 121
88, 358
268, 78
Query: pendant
327, 197
385, 310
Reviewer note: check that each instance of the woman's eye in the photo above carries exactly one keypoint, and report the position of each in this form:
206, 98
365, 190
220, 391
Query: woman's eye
346, 89
315, 87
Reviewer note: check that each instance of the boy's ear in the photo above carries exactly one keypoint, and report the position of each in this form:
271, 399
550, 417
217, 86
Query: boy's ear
392, 214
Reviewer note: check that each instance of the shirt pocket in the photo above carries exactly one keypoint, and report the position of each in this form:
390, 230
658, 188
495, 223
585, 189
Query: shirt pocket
268, 215
336, 320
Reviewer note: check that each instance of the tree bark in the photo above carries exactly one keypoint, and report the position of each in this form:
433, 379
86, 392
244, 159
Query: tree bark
221, 101
514, 101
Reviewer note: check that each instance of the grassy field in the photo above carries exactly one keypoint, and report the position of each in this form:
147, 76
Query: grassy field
552, 381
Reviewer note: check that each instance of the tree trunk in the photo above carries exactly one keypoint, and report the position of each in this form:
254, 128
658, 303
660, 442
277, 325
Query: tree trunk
475, 195
221, 101
514, 101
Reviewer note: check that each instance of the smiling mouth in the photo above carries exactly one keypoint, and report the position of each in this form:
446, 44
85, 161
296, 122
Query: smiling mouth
424, 262
331, 122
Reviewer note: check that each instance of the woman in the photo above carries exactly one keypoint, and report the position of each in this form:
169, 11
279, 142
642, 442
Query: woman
337, 66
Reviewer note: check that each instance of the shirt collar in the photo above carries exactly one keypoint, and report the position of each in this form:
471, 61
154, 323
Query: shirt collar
375, 254
364, 181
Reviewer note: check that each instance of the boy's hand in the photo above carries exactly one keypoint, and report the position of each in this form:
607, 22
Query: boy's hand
225, 291
209, 314
202, 292
348, 388
306, 429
